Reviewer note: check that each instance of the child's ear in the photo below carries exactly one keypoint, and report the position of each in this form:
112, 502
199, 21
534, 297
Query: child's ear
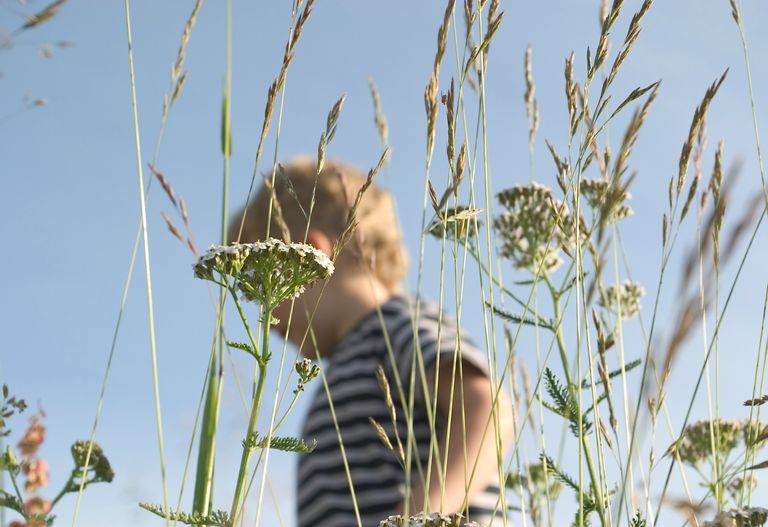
320, 241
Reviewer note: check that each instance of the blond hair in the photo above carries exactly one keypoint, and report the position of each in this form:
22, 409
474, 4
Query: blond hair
377, 240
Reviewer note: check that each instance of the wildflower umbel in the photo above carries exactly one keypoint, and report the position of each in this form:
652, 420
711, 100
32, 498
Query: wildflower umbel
535, 227
627, 296
98, 466
430, 520
745, 517
696, 447
604, 197
267, 272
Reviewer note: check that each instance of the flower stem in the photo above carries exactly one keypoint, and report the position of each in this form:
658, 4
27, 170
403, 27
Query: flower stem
255, 405
596, 486
16, 488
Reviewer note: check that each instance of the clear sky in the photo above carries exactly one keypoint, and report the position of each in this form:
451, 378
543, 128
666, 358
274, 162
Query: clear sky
69, 194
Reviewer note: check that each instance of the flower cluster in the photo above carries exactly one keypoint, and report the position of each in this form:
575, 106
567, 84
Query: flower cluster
605, 198
36, 510
745, 517
33, 437
33, 467
98, 466
696, 444
430, 520
738, 484
535, 227
307, 371
628, 295
267, 272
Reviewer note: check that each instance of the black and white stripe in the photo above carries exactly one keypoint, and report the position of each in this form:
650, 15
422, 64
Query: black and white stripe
324, 497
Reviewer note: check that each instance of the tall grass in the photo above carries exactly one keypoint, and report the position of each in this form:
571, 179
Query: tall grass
572, 298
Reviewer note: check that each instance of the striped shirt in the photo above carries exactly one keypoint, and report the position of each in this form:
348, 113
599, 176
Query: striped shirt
324, 497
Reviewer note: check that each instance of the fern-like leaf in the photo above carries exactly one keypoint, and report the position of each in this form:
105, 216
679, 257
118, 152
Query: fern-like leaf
286, 444
214, 519
567, 480
243, 347
565, 404
637, 520
556, 391
518, 319
11, 502
614, 373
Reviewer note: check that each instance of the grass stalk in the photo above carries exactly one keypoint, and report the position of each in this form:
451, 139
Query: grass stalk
145, 239
207, 447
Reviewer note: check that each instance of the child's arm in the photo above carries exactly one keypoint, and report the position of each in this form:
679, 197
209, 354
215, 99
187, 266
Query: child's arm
471, 435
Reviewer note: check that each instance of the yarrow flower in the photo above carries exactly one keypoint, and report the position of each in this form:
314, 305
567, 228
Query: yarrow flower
605, 198
535, 228
744, 517
98, 463
628, 294
695, 447
430, 520
267, 272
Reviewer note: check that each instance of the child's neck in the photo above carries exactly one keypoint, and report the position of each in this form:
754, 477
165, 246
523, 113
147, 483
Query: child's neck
352, 301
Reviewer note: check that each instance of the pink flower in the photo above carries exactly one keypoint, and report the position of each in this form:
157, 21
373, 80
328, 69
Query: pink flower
37, 506
32, 439
37, 474
33, 523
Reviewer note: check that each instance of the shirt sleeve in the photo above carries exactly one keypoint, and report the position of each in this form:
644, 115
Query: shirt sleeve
439, 342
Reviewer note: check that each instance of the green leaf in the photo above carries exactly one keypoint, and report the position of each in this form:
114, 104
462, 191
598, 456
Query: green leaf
565, 405
637, 520
615, 373
244, 347
11, 502
518, 319
226, 131
214, 519
564, 478
286, 444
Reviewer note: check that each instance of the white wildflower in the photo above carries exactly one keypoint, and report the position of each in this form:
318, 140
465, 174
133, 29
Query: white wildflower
268, 272
627, 296
535, 228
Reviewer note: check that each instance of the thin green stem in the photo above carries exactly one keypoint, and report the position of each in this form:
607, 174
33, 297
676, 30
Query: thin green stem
150, 309
595, 481
239, 499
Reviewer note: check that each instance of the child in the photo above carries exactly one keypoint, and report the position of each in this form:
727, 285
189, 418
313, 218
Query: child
361, 321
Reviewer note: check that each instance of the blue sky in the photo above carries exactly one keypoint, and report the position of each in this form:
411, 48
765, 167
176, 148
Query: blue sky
69, 199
